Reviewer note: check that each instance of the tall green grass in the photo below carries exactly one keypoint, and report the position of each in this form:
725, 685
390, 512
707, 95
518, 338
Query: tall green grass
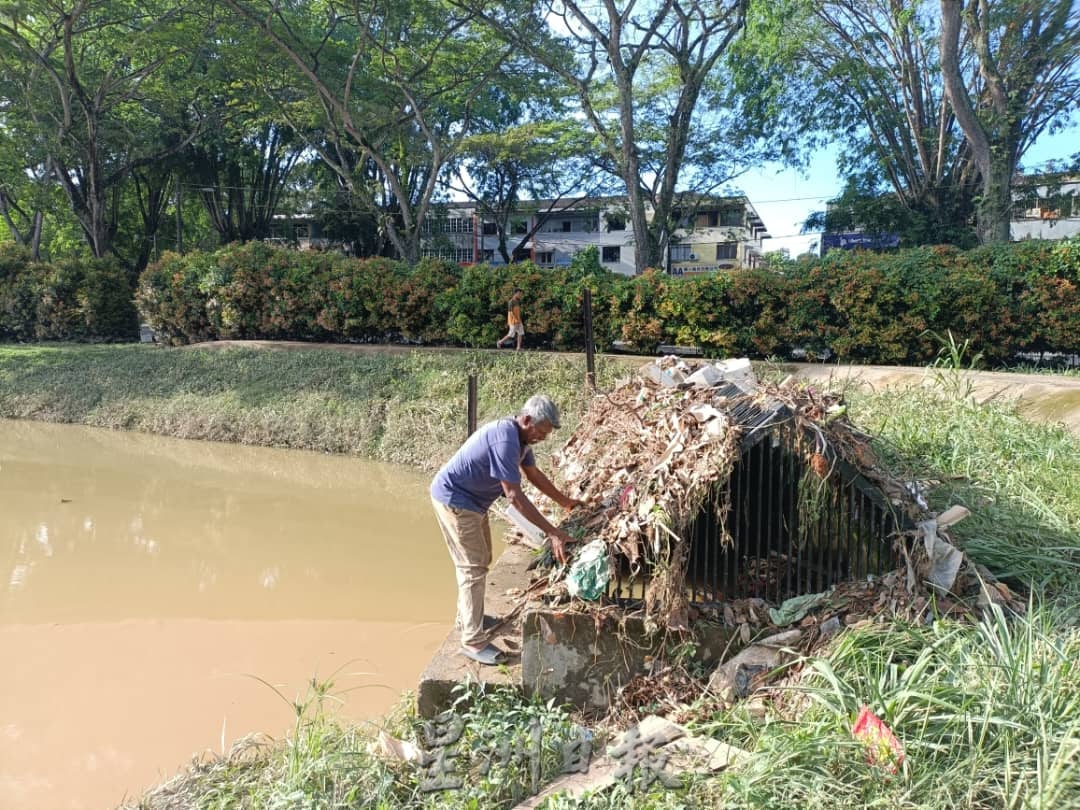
989, 716
1020, 480
326, 764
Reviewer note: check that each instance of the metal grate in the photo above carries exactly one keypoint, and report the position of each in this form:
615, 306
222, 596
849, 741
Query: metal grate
787, 539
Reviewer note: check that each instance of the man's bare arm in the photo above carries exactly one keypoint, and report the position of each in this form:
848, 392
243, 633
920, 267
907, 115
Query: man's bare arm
544, 484
520, 501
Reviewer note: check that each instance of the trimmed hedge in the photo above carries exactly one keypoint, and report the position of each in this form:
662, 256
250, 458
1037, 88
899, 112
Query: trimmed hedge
72, 299
862, 307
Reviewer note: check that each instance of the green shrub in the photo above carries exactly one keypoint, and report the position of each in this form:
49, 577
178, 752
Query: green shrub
18, 293
856, 306
72, 299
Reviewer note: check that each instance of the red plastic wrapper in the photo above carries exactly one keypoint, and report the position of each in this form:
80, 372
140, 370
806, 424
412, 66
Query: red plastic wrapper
882, 747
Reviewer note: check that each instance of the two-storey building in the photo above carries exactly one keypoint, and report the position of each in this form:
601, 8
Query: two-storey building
716, 233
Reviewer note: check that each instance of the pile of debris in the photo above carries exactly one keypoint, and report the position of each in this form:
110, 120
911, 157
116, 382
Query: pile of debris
648, 456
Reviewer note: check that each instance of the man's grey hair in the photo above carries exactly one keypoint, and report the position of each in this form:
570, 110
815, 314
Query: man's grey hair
541, 409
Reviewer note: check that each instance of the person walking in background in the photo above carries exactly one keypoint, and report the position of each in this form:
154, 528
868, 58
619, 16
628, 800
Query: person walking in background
513, 320
488, 465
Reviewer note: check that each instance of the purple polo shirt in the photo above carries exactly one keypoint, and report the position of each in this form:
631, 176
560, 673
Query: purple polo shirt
471, 478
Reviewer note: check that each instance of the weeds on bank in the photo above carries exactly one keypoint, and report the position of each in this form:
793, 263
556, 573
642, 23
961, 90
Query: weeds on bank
324, 764
989, 716
407, 408
1020, 480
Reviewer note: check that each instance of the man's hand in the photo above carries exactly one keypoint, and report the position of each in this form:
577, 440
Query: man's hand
570, 504
559, 542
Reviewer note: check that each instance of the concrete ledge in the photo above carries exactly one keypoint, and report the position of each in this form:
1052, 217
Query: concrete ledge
448, 667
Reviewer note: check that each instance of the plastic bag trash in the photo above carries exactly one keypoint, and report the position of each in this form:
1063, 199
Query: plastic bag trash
534, 536
793, 609
945, 559
882, 747
590, 572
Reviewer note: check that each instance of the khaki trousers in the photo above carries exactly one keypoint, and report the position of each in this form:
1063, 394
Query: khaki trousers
468, 539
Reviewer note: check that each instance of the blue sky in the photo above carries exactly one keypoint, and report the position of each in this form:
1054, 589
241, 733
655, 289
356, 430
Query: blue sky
785, 197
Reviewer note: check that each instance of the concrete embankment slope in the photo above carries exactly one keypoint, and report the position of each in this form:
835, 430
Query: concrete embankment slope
1049, 398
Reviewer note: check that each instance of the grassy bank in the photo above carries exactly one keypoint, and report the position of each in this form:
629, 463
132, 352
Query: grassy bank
989, 717
988, 714
407, 408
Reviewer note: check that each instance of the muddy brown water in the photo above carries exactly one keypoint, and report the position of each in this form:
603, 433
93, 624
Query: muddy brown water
147, 583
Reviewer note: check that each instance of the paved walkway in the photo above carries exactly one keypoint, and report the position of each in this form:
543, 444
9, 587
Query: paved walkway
1051, 398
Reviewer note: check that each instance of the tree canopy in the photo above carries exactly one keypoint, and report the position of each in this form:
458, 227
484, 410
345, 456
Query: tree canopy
123, 121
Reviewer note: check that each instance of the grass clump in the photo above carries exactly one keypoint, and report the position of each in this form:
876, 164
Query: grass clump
989, 716
497, 737
1020, 480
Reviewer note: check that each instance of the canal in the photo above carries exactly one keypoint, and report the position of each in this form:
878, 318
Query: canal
149, 585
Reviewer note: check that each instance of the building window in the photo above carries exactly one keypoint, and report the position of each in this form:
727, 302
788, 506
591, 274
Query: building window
545, 257
520, 227
459, 255
731, 218
491, 228
459, 225
727, 250
567, 226
682, 253
707, 219
611, 253
615, 222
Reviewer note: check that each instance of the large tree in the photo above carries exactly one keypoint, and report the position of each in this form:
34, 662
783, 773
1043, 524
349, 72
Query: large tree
395, 88
639, 71
1010, 71
865, 74
240, 177
240, 165
110, 95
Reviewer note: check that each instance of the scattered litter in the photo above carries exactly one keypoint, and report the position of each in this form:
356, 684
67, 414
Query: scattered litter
590, 572
882, 747
952, 515
392, 748
739, 676
944, 558
532, 534
683, 753
830, 627
793, 609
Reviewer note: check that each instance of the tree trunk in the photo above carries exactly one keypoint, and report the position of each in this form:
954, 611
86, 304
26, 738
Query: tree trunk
993, 148
994, 213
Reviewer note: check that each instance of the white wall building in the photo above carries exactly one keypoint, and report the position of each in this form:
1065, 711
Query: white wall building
718, 233
1045, 207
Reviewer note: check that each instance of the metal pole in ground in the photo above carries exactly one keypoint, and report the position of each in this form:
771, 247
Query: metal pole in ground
590, 349
472, 397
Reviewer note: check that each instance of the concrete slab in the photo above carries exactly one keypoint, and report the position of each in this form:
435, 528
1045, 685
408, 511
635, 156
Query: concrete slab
448, 667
